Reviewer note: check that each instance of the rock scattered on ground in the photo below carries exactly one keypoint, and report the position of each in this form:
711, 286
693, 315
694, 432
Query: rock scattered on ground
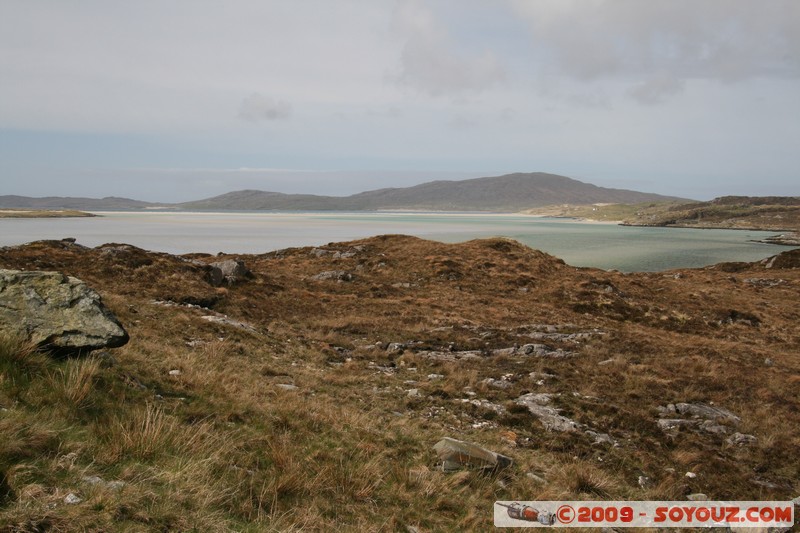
56, 312
333, 275
458, 454
696, 416
97, 480
228, 272
540, 406
227, 321
741, 439
72, 499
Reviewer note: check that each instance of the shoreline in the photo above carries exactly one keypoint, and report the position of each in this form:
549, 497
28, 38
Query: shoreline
44, 213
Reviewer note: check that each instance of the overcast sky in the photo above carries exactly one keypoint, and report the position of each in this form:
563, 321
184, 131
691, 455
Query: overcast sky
180, 100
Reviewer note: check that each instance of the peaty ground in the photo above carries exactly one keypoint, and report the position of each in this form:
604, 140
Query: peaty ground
309, 396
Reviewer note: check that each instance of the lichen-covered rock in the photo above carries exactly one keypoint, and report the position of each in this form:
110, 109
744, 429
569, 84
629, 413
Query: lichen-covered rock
229, 271
457, 454
56, 312
549, 416
333, 275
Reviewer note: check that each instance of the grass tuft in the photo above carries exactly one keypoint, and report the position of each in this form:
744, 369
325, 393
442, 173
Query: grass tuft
75, 380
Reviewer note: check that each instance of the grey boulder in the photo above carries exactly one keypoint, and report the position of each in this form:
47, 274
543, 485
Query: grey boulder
457, 454
229, 271
56, 312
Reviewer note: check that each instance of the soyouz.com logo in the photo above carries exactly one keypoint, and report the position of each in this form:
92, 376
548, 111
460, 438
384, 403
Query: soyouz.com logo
643, 514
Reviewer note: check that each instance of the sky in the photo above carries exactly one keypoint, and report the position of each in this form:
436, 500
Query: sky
186, 99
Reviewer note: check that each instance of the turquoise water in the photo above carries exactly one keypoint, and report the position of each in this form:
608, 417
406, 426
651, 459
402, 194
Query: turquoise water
580, 244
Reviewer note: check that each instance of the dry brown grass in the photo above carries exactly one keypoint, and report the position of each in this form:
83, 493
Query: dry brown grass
220, 446
74, 382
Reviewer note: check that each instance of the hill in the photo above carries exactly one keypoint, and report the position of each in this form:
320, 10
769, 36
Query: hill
309, 395
509, 193
775, 213
768, 213
66, 202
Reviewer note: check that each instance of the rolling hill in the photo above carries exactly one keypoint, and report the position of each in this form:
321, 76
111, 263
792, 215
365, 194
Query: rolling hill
508, 193
66, 202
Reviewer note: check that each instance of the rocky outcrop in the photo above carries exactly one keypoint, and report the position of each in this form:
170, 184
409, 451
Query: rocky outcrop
785, 239
56, 312
333, 275
698, 416
784, 260
540, 406
227, 272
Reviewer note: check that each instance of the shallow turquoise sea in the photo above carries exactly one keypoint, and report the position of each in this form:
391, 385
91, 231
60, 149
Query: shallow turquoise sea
604, 246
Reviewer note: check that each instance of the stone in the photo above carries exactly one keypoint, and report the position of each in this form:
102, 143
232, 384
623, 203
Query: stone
600, 438
347, 254
287, 386
762, 282
668, 424
227, 321
701, 417
690, 475
536, 479
228, 272
539, 406
175, 372
72, 499
708, 412
457, 454
497, 383
56, 312
485, 404
697, 497
97, 480
333, 275
452, 356
543, 350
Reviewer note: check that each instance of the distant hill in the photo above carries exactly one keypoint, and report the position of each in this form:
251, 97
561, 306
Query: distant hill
509, 193
774, 213
64, 202
253, 200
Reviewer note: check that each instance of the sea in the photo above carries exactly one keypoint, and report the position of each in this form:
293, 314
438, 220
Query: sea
579, 243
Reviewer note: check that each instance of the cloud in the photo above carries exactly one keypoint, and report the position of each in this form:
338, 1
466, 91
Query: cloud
656, 89
431, 61
639, 41
257, 108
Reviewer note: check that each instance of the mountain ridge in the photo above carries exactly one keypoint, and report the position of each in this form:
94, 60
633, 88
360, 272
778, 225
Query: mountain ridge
507, 193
